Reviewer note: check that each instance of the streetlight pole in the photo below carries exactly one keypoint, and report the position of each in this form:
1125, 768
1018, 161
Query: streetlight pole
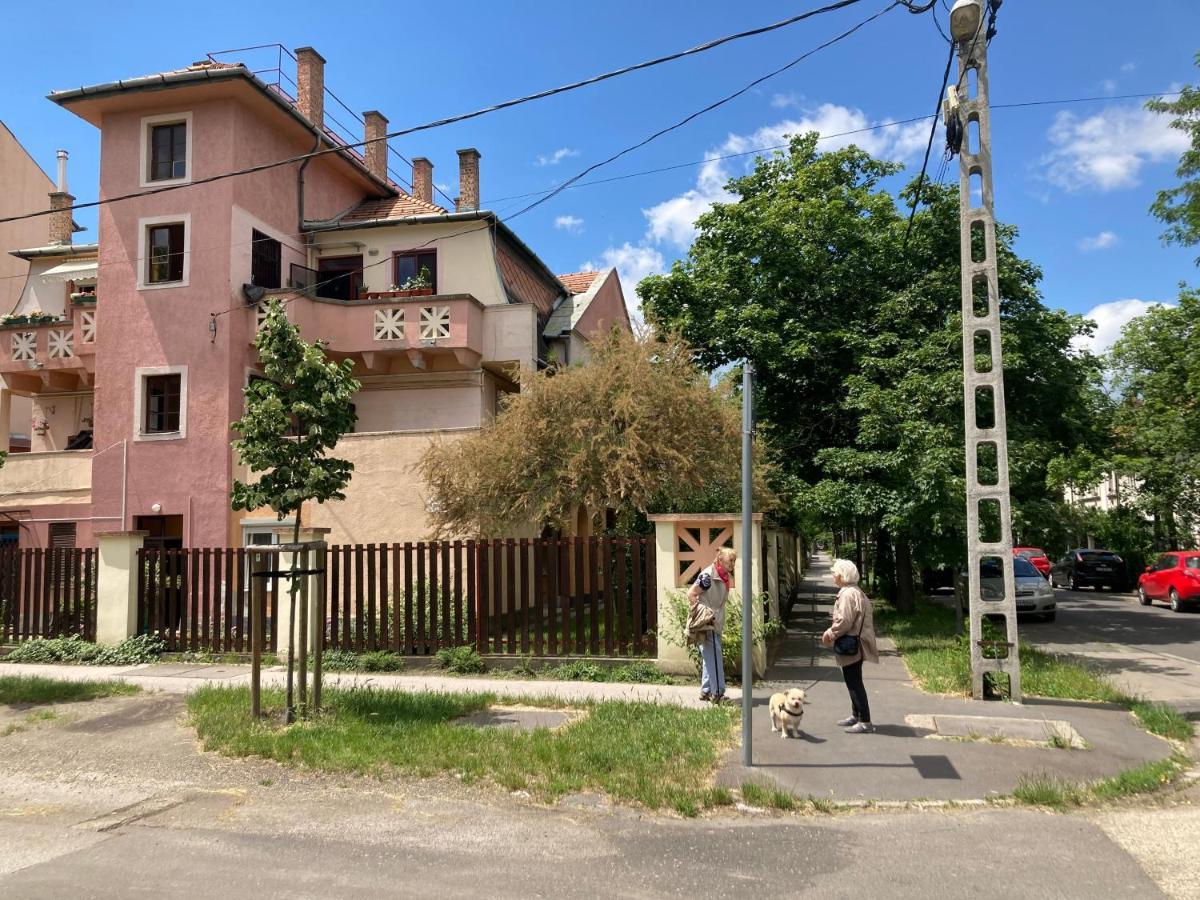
747, 557
986, 501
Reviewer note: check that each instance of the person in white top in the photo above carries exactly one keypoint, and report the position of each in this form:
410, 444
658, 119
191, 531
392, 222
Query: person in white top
711, 589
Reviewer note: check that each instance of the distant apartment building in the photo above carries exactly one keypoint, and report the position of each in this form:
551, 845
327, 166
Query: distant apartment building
1112, 491
139, 369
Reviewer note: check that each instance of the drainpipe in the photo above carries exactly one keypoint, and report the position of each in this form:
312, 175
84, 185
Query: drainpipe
300, 181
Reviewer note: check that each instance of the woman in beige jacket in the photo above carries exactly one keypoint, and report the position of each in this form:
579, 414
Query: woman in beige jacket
852, 615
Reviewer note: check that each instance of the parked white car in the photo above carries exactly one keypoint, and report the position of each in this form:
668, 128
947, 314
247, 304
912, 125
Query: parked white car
1035, 596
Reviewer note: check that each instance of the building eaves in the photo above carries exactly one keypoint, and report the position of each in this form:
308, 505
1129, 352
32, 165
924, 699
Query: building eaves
56, 250
209, 73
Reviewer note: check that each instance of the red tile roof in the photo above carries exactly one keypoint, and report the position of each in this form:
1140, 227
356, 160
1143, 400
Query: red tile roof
391, 208
578, 282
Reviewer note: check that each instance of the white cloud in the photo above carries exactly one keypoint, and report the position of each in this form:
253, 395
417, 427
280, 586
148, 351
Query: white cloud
782, 101
1128, 67
557, 156
573, 224
1107, 150
1101, 241
1110, 318
633, 264
1109, 85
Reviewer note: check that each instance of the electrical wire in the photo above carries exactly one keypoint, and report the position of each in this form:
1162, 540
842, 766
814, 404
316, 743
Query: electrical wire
709, 108
462, 117
912, 213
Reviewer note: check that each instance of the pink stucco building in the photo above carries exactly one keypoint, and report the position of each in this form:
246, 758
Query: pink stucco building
135, 381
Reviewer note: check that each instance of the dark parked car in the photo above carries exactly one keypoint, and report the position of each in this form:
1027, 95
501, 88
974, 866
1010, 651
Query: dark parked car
1089, 568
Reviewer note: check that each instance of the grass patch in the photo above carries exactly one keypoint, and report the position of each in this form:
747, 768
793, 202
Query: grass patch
766, 795
461, 660
33, 689
144, 648
658, 756
1056, 793
940, 662
372, 661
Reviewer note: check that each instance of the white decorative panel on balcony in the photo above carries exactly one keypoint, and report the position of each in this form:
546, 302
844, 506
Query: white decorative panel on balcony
260, 316
435, 322
87, 327
24, 345
389, 324
58, 340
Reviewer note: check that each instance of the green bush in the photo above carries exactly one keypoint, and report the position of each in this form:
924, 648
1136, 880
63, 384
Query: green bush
143, 648
461, 660
374, 661
638, 673
675, 630
578, 670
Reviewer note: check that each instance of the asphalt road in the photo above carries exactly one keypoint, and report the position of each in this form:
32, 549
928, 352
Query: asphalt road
1088, 617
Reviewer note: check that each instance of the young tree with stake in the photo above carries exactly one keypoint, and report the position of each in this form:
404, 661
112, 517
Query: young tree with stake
294, 415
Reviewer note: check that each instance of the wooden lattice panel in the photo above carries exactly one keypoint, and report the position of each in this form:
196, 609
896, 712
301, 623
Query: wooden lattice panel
695, 547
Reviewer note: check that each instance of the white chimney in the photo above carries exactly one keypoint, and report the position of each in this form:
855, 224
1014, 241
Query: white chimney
62, 171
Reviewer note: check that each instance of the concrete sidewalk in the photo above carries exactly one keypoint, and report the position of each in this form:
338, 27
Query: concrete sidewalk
182, 678
909, 756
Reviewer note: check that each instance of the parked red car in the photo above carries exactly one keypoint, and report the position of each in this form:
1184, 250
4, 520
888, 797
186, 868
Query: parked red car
1037, 556
1175, 577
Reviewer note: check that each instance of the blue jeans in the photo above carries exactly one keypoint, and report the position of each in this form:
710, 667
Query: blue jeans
712, 666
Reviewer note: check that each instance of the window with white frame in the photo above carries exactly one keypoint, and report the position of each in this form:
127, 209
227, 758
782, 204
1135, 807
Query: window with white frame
164, 244
166, 149
160, 403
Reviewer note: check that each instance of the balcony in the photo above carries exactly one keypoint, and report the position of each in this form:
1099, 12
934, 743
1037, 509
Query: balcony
47, 355
60, 476
399, 335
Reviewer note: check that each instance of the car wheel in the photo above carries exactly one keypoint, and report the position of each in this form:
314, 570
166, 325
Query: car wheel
1176, 603
1142, 598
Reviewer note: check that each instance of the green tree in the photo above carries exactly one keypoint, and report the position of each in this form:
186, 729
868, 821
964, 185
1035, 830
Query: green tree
857, 339
639, 428
294, 416
1156, 374
1179, 207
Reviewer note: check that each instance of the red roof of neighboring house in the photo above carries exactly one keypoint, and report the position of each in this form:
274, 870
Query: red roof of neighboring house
578, 282
391, 208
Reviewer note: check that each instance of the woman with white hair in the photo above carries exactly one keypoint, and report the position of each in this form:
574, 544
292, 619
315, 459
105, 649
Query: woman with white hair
707, 595
852, 637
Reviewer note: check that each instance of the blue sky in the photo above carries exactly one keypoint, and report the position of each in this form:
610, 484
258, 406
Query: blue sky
1077, 179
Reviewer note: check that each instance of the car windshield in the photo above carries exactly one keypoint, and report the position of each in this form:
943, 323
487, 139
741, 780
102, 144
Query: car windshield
1031, 553
1022, 568
1099, 556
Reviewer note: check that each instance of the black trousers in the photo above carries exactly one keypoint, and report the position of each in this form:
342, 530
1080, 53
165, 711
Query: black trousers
858, 693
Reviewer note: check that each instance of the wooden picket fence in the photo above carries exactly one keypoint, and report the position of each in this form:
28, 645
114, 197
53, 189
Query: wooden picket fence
47, 593
553, 597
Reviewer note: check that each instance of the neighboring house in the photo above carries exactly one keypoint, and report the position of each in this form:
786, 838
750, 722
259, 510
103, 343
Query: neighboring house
159, 355
593, 306
1115, 490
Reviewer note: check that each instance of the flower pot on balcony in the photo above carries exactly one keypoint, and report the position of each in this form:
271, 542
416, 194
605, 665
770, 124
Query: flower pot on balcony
84, 298
398, 294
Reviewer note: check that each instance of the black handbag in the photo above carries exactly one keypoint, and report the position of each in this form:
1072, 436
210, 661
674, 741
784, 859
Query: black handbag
848, 644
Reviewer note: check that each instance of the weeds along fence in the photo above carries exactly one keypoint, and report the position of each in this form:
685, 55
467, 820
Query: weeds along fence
553, 597
47, 593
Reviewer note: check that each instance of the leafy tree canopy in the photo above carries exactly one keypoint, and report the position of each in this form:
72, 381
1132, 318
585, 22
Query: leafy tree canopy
639, 428
1179, 207
857, 342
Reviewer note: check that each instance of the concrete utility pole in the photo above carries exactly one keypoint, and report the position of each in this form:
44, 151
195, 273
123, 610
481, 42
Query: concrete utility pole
977, 231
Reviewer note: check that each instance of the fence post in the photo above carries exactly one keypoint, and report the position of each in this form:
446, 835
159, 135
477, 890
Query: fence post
116, 585
772, 564
283, 598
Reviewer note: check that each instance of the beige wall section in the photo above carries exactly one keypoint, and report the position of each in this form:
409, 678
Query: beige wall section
37, 479
64, 415
426, 403
385, 501
23, 188
466, 263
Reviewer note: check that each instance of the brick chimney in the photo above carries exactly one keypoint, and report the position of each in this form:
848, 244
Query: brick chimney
310, 85
468, 180
61, 226
376, 152
422, 179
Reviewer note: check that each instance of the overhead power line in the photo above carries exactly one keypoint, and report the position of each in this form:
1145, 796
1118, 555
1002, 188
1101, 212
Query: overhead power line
916, 200
462, 117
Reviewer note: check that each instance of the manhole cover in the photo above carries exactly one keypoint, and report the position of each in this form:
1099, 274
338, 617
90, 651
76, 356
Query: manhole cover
520, 718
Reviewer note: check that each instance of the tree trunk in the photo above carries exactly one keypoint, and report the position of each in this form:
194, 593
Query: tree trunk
858, 546
289, 715
906, 594
885, 572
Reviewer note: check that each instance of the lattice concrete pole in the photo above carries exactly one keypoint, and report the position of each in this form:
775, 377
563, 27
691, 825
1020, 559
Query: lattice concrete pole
979, 276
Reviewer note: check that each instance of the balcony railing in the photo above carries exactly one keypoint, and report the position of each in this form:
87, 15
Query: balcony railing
49, 354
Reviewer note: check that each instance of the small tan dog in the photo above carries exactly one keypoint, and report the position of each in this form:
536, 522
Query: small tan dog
787, 709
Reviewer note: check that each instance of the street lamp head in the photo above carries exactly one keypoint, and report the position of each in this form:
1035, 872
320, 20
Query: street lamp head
965, 17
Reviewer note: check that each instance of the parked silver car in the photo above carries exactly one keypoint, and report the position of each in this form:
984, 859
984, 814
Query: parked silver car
1034, 594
